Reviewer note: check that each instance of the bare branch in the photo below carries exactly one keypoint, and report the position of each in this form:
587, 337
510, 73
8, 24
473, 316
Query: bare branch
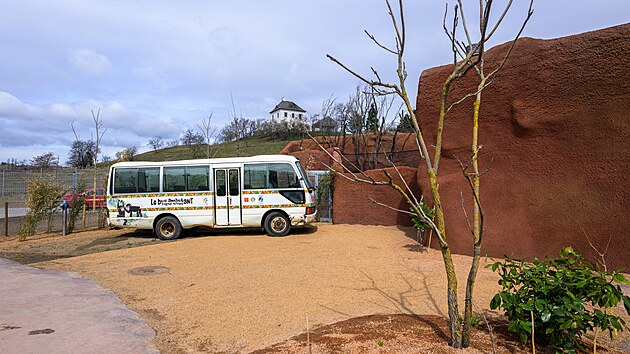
403, 180
76, 136
530, 12
461, 13
399, 38
392, 208
375, 84
496, 25
601, 254
465, 213
378, 43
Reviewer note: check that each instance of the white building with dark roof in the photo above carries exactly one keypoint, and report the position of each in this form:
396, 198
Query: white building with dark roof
287, 111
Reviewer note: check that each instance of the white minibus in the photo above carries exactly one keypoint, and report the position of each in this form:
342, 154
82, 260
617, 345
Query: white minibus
268, 191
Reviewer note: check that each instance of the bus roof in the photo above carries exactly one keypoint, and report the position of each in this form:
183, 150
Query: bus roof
250, 159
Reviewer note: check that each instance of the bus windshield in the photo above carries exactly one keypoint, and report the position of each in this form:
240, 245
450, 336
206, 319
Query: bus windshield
304, 176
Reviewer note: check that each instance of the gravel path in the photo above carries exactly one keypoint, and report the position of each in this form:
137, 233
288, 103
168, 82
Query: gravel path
241, 291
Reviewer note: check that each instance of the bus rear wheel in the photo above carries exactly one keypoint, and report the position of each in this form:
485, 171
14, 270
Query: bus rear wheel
168, 228
277, 224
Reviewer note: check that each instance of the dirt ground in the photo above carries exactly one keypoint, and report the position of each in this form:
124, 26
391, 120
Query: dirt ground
244, 291
43, 247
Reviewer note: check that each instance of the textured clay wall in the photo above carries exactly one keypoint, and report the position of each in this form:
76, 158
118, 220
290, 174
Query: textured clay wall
352, 204
556, 124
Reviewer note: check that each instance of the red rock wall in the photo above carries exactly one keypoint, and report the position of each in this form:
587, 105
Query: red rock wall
556, 124
352, 203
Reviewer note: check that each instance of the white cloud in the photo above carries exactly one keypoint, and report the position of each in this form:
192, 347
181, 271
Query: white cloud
175, 64
89, 62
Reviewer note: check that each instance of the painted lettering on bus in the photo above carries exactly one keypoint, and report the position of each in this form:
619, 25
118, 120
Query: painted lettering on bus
171, 201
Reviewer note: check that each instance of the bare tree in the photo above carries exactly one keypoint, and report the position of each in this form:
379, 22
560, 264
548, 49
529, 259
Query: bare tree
466, 57
193, 141
82, 152
156, 142
98, 125
172, 143
45, 160
208, 131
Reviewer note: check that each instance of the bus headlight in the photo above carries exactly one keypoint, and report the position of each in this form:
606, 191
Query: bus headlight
310, 210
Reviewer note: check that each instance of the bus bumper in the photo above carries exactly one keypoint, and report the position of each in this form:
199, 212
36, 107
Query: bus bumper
301, 220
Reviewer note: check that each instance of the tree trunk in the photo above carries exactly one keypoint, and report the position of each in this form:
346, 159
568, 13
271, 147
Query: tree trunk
451, 276
477, 222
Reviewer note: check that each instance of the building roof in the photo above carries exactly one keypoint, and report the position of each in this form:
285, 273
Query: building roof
288, 106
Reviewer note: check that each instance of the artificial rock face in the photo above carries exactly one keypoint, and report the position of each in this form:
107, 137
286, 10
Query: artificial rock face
555, 130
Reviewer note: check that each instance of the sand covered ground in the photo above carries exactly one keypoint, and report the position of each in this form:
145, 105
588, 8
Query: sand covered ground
245, 291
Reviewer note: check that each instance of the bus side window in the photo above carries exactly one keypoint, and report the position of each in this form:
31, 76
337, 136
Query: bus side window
234, 183
220, 183
282, 175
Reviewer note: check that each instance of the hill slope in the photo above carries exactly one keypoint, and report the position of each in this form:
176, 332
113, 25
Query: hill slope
245, 147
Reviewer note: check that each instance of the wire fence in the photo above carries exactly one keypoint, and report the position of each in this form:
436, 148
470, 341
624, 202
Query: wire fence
14, 196
15, 183
13, 214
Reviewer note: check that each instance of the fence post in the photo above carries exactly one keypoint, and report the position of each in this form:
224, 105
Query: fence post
6, 218
3, 183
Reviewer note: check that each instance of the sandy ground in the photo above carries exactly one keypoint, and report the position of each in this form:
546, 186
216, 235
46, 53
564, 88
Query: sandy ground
240, 292
44, 247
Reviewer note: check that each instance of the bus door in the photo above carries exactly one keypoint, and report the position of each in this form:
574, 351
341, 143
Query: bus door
227, 196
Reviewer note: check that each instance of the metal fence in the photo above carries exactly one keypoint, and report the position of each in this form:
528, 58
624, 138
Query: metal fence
15, 183
14, 196
13, 213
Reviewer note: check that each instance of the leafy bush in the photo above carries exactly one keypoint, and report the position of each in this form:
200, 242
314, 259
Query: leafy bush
325, 187
419, 222
567, 296
77, 208
44, 196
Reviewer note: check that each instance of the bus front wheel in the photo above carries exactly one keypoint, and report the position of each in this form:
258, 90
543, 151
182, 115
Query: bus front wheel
277, 224
168, 228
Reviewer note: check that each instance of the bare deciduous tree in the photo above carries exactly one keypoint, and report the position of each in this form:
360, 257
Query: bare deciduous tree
208, 131
156, 142
467, 55
98, 125
45, 160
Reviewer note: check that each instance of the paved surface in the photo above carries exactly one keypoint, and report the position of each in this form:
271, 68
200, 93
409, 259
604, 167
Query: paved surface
14, 212
43, 311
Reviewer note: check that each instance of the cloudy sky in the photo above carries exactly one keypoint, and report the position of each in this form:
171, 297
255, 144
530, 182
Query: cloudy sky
155, 68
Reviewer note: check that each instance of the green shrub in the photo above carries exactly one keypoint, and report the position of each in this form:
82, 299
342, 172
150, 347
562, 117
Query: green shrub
44, 196
77, 207
325, 188
567, 296
419, 222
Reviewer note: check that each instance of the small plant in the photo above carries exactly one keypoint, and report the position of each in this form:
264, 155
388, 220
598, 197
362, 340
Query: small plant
419, 222
380, 343
325, 187
565, 297
44, 196
77, 207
